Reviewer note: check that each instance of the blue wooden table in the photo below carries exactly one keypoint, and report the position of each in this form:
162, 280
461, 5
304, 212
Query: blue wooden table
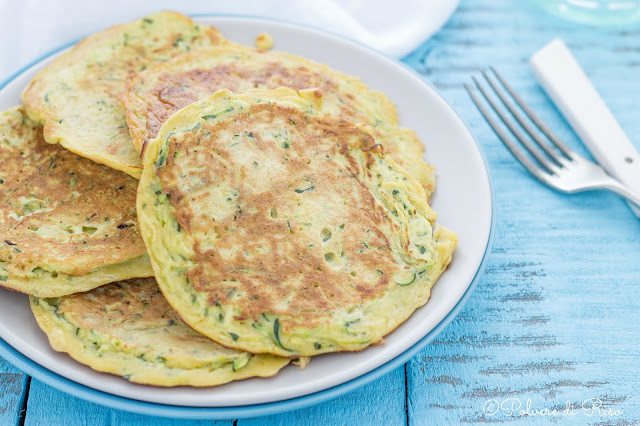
555, 321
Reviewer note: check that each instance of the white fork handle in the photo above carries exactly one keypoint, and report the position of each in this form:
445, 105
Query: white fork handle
632, 199
557, 70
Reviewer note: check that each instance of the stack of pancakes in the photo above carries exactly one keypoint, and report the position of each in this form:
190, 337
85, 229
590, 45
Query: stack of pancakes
280, 211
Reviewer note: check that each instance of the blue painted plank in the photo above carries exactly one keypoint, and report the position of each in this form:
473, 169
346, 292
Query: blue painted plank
13, 387
47, 406
555, 318
381, 402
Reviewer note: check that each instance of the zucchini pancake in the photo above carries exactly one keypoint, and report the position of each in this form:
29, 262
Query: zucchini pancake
77, 96
128, 329
67, 224
273, 227
155, 94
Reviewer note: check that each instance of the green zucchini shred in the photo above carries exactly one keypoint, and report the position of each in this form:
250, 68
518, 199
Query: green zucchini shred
301, 190
164, 151
276, 334
404, 282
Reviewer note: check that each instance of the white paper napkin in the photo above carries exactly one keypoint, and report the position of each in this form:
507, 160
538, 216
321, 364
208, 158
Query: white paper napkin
33, 27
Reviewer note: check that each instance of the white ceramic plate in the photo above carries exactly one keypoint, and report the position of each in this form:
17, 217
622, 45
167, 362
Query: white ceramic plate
463, 202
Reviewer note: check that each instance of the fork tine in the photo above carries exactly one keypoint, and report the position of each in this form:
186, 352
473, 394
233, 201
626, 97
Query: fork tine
515, 130
533, 117
504, 137
535, 136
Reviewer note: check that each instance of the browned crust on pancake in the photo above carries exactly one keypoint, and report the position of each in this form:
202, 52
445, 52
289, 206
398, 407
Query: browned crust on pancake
176, 84
47, 187
291, 270
175, 91
125, 308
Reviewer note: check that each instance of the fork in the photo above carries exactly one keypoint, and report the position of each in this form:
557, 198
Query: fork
555, 164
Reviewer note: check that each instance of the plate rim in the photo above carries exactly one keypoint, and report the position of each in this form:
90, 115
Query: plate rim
109, 400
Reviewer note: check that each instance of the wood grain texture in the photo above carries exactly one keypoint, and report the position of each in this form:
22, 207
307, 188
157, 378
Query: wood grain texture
47, 406
13, 390
555, 318
381, 402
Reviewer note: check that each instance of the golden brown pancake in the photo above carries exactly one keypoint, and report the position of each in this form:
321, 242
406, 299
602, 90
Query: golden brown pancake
273, 227
128, 329
67, 224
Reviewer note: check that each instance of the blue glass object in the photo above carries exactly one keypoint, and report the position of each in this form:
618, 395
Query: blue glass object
595, 12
